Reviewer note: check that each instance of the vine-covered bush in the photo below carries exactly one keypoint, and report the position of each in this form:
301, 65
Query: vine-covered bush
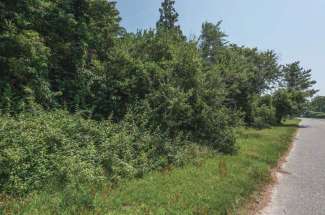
60, 149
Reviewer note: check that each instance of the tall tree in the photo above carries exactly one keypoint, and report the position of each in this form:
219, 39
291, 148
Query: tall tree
212, 40
296, 78
23, 58
297, 87
64, 43
168, 18
168, 15
81, 35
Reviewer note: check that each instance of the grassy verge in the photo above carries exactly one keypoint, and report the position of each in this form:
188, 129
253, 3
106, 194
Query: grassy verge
213, 185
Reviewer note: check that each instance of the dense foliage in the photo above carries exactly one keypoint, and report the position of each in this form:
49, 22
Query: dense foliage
58, 149
211, 185
152, 93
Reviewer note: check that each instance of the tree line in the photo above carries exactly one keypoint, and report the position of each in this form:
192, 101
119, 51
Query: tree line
317, 104
74, 55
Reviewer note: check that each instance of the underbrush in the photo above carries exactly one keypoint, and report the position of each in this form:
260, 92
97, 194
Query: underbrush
58, 151
209, 184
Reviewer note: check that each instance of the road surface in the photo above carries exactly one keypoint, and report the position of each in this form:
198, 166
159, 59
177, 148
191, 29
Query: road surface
301, 182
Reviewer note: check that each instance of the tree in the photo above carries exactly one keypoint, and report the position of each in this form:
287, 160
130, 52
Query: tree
167, 22
247, 74
299, 84
168, 15
24, 57
212, 40
296, 78
65, 43
283, 103
81, 35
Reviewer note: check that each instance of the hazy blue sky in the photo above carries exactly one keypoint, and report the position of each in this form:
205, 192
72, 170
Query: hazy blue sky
295, 29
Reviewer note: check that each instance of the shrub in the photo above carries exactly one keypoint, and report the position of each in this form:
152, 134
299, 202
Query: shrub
66, 150
263, 112
264, 116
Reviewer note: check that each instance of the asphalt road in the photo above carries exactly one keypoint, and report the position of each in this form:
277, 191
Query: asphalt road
301, 182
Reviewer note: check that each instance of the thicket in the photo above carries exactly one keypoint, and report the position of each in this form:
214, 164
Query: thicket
62, 150
153, 93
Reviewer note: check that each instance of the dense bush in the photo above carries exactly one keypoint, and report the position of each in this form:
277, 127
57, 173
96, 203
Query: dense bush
60, 149
289, 103
264, 116
264, 113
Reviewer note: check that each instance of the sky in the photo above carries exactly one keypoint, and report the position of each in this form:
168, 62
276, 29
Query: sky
295, 29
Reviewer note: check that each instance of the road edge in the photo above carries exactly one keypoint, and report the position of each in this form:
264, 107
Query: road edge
263, 196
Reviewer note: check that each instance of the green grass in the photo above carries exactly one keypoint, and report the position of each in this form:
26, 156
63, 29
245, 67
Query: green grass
214, 184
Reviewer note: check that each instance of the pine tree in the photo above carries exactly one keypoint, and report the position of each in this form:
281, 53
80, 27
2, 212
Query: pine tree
168, 17
296, 78
212, 40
